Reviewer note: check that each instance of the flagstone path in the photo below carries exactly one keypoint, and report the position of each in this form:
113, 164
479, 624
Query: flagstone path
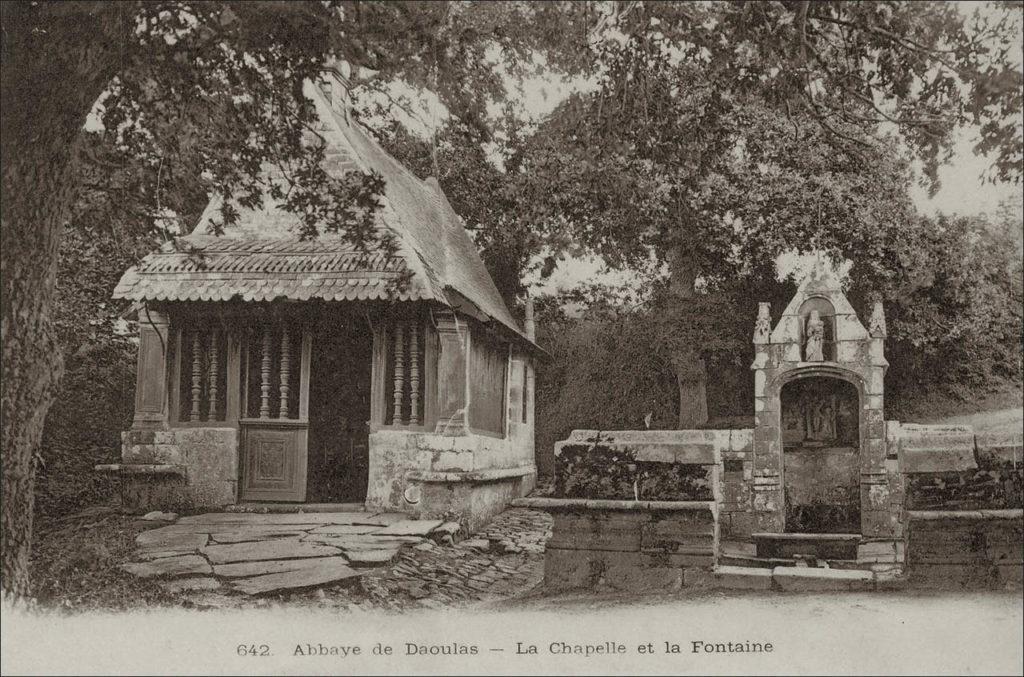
258, 553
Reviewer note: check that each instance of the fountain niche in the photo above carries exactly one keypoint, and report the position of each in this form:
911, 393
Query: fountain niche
820, 443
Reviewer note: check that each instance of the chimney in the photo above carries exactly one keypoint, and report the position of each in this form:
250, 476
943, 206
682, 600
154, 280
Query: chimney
529, 325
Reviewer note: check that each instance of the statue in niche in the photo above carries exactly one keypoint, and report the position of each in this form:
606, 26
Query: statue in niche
814, 346
763, 326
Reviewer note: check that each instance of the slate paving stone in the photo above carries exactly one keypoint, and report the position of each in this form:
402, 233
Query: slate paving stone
190, 584
159, 540
346, 529
253, 535
286, 548
387, 518
147, 555
274, 566
313, 519
411, 528
330, 570
185, 565
371, 557
363, 542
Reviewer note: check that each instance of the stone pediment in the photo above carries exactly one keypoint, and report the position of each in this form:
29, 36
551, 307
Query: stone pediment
821, 284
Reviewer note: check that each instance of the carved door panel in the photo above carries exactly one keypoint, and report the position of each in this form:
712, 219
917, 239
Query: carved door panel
274, 464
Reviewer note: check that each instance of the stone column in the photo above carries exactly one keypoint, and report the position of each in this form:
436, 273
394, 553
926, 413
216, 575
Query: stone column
452, 375
151, 377
530, 326
768, 498
877, 516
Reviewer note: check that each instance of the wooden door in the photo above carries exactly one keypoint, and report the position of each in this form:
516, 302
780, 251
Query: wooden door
274, 463
275, 428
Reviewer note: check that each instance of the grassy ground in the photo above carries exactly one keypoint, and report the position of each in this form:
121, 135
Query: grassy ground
942, 408
75, 563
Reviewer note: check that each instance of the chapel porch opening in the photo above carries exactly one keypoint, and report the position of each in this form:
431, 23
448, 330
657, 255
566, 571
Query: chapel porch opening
339, 409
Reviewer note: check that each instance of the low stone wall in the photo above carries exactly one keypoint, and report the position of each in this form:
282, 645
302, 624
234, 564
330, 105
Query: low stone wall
470, 478
951, 468
180, 468
966, 549
640, 465
627, 545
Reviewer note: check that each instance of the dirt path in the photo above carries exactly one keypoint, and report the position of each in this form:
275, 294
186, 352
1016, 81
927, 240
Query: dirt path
995, 421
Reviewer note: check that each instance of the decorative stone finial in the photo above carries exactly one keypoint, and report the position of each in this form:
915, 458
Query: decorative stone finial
876, 325
763, 325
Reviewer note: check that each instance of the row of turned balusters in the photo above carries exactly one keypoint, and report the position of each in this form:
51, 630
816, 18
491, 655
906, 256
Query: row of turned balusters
406, 353
208, 375
205, 374
403, 359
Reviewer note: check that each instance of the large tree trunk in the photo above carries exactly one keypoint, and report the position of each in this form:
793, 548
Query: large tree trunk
687, 363
692, 379
55, 60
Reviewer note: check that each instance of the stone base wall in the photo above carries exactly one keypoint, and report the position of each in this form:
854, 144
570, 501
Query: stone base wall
206, 461
469, 478
473, 504
965, 549
628, 545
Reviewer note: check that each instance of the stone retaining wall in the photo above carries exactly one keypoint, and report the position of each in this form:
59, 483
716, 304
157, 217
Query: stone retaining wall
952, 468
204, 461
627, 545
966, 549
470, 478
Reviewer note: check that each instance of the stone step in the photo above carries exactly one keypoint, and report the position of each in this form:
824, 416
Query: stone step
814, 579
819, 546
741, 578
797, 579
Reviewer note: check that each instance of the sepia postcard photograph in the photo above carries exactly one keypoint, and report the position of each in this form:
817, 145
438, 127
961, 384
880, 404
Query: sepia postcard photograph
512, 337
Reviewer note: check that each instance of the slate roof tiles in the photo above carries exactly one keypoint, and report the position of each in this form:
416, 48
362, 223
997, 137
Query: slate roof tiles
260, 258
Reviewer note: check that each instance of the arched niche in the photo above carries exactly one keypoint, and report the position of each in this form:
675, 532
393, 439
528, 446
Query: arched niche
820, 423
827, 312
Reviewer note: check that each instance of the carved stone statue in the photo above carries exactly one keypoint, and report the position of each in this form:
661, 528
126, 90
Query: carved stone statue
820, 420
814, 346
763, 326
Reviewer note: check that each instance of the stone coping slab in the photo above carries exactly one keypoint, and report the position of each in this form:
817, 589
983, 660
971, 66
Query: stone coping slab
1013, 513
491, 475
142, 468
790, 536
557, 504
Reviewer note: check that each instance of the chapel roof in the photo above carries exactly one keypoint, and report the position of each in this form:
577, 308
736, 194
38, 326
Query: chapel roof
262, 258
